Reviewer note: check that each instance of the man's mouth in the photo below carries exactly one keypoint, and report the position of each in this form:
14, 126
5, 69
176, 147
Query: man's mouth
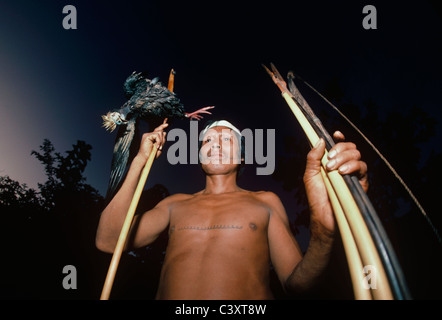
216, 155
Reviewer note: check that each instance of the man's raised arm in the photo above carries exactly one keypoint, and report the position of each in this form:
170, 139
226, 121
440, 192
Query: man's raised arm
112, 218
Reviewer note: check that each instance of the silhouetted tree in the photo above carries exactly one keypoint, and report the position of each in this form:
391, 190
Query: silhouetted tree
65, 180
56, 224
16, 196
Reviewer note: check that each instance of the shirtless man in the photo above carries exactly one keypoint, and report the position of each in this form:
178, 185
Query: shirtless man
223, 238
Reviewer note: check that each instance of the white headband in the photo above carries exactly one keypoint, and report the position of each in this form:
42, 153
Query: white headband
221, 123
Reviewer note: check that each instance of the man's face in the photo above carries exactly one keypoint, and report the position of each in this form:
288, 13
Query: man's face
220, 152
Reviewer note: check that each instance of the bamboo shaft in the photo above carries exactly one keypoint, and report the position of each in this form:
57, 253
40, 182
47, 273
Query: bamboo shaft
369, 254
351, 251
359, 229
126, 227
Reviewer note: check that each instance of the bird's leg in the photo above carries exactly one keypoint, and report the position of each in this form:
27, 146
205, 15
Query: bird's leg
196, 114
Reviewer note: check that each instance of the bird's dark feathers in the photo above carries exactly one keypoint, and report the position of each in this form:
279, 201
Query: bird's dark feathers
150, 98
147, 99
120, 156
133, 82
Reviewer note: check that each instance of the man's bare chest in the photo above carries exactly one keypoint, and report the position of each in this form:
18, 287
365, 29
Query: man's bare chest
219, 213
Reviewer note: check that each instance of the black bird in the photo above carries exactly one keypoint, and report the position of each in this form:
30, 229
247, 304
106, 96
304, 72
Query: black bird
146, 99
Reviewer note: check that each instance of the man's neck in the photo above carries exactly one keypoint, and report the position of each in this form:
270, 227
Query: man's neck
218, 184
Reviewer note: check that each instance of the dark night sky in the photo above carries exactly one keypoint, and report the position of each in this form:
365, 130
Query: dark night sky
56, 83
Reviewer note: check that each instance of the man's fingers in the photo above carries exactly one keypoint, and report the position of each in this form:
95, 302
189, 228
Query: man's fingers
340, 158
313, 166
158, 136
161, 127
338, 136
346, 158
317, 151
357, 167
154, 137
159, 140
341, 147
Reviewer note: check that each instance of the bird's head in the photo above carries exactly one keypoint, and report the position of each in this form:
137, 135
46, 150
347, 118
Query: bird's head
112, 119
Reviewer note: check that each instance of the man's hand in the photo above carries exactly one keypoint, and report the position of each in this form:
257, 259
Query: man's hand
156, 137
345, 158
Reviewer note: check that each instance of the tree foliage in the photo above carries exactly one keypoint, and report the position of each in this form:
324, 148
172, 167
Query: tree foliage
55, 223
17, 196
65, 180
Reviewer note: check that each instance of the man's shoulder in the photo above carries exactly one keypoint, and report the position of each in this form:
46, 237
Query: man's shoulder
266, 196
178, 197
171, 199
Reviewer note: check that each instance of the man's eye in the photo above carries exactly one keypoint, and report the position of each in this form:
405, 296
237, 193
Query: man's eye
208, 140
227, 139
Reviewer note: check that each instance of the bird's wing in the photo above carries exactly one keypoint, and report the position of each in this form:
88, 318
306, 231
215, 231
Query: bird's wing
120, 156
136, 82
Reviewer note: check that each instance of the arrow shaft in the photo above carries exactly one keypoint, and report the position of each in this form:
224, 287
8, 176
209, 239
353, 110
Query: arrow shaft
121, 243
361, 234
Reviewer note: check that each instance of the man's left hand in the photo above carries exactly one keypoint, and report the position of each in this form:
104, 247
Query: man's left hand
345, 158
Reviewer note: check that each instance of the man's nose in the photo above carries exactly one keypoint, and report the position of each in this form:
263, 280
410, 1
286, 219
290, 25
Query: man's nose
216, 145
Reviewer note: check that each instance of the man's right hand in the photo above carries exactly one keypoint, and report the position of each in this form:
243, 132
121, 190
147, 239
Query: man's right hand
156, 137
